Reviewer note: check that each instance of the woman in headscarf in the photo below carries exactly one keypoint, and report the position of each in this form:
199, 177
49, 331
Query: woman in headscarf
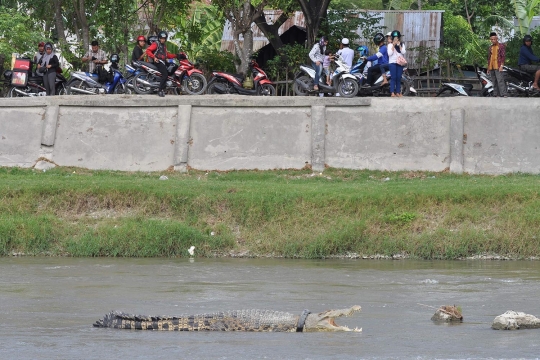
48, 65
317, 57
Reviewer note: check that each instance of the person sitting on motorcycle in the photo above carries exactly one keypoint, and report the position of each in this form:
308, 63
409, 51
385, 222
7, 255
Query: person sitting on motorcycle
382, 60
38, 56
317, 57
526, 58
96, 57
138, 52
158, 52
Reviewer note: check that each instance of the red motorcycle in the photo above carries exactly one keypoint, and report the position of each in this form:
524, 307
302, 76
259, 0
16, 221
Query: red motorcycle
183, 77
226, 83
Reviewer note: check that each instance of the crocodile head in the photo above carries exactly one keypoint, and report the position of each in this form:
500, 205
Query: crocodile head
325, 321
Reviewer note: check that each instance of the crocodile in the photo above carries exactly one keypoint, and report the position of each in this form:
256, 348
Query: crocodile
239, 320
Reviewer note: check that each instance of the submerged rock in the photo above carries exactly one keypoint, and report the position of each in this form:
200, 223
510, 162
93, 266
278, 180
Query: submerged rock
447, 313
514, 320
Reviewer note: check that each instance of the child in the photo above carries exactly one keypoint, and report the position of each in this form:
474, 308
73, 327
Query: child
328, 57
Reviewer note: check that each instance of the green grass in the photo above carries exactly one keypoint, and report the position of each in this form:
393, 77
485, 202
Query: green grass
295, 214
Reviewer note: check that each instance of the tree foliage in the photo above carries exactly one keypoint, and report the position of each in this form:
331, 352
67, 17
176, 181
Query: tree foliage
18, 34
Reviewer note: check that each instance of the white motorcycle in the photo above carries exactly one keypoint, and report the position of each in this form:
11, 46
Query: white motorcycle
343, 83
453, 89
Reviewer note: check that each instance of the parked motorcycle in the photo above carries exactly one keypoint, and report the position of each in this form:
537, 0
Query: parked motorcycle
131, 72
378, 88
85, 83
34, 86
342, 81
453, 89
519, 83
226, 83
184, 77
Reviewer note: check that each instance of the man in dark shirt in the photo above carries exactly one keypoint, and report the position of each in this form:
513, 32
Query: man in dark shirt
527, 57
138, 52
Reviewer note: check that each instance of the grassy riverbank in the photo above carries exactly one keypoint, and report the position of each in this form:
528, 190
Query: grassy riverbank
67, 211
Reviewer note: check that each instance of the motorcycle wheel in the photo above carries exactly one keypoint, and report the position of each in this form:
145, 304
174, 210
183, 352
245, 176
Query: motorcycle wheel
194, 84
61, 90
348, 88
486, 93
298, 90
211, 89
12, 93
142, 89
119, 89
266, 90
405, 88
76, 84
446, 93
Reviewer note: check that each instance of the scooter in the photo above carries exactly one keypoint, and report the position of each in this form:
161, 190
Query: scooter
453, 89
184, 77
226, 83
378, 88
85, 83
343, 83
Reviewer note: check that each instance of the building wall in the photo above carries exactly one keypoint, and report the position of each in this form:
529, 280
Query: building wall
146, 133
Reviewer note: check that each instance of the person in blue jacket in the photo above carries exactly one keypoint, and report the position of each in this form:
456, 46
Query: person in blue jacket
382, 60
526, 59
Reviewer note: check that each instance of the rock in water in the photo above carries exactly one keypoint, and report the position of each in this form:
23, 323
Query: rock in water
514, 320
447, 313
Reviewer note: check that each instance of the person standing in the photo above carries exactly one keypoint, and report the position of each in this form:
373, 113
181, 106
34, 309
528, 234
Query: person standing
496, 58
346, 53
48, 65
158, 52
138, 52
38, 56
395, 49
317, 58
526, 59
95, 57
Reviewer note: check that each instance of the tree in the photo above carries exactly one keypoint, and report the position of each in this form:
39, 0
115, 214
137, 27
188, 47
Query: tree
525, 11
241, 14
314, 13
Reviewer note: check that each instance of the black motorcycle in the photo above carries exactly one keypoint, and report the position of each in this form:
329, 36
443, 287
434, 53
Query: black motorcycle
519, 83
34, 85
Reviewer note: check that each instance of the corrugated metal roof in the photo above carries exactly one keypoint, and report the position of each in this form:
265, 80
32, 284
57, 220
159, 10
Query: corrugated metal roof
419, 28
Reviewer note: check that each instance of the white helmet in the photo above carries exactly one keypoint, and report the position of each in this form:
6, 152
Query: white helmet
345, 41
389, 34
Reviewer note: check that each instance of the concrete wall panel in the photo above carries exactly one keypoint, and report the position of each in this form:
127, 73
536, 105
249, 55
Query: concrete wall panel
20, 135
120, 138
250, 138
502, 137
389, 135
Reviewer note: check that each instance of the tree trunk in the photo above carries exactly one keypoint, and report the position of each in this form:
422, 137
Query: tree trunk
314, 12
271, 31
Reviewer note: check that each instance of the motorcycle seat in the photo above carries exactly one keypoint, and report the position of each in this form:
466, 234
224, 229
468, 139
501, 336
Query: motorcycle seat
150, 65
35, 79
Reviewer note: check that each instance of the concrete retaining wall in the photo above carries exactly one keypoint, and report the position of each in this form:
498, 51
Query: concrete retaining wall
147, 133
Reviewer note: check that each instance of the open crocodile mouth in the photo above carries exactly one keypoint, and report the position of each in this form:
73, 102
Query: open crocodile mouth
328, 320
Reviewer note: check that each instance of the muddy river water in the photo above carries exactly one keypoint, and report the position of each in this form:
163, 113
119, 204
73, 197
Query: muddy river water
48, 305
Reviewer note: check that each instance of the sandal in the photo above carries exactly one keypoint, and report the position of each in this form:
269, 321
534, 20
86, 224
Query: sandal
315, 87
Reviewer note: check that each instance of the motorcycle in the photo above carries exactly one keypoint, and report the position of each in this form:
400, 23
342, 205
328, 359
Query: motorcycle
519, 83
184, 77
86, 83
226, 83
453, 89
378, 88
131, 72
343, 83
34, 86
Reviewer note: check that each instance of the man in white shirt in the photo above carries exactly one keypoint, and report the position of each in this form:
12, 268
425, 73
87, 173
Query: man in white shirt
346, 53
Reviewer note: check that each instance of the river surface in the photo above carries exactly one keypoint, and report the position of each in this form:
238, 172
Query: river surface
48, 305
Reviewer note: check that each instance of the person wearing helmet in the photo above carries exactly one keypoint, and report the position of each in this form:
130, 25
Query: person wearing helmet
138, 51
395, 49
38, 55
526, 59
317, 57
158, 53
346, 53
96, 57
381, 57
